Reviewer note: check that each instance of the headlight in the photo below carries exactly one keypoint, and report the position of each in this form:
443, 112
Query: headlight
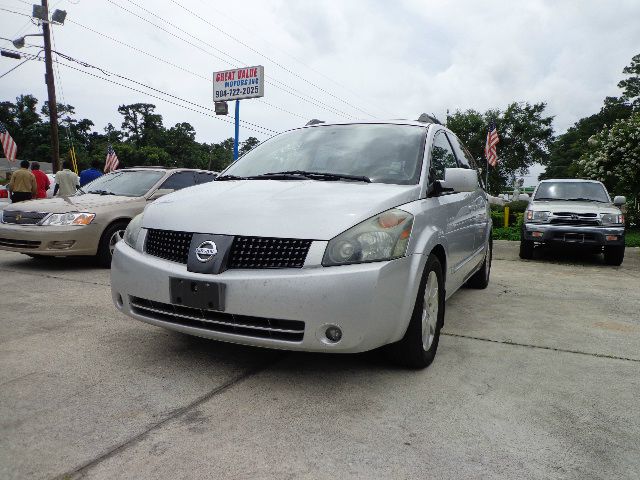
71, 218
382, 237
536, 216
612, 218
133, 230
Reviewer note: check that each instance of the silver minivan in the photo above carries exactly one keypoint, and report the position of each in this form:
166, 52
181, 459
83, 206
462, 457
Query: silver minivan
338, 237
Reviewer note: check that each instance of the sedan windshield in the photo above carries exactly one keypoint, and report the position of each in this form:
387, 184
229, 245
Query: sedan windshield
129, 183
357, 152
572, 191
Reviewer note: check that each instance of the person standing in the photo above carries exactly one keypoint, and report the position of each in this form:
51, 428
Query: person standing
22, 184
67, 182
42, 181
90, 174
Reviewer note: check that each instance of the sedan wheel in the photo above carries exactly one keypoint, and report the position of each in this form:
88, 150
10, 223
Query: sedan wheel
115, 238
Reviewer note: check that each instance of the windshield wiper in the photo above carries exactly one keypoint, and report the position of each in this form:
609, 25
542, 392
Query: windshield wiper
547, 198
101, 192
228, 177
323, 175
581, 199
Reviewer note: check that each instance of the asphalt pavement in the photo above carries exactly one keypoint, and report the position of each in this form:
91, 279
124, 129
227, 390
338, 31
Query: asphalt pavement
538, 376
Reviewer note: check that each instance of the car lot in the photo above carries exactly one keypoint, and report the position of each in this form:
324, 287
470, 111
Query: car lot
536, 377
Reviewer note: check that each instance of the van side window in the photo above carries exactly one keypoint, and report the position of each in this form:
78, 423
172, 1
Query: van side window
442, 157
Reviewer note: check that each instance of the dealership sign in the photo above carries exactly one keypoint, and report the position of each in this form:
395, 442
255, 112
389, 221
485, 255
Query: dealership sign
239, 83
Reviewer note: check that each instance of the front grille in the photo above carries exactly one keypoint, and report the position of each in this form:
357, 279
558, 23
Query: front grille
169, 245
257, 327
264, 252
23, 218
584, 222
568, 214
246, 252
9, 242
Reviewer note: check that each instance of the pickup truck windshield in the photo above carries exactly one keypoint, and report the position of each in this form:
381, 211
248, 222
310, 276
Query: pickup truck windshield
129, 183
572, 191
380, 153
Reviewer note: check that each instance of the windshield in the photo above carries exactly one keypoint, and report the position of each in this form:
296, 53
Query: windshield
129, 183
577, 191
382, 153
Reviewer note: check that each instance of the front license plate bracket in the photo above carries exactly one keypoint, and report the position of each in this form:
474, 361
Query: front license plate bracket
197, 294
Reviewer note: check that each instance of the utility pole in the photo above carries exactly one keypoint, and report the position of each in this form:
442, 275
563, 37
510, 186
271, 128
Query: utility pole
51, 90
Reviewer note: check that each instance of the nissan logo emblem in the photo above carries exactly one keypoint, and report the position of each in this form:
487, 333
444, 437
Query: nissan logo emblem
206, 251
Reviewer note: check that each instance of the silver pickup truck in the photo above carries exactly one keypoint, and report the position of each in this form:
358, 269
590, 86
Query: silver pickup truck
578, 212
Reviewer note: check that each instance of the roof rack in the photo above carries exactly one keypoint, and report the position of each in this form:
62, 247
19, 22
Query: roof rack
313, 121
426, 118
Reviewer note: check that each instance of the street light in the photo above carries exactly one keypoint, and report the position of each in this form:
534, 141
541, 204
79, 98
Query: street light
19, 42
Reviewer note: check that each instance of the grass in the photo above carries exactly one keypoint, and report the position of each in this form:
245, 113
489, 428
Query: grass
632, 235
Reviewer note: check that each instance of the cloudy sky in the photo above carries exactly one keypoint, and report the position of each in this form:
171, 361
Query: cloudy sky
331, 59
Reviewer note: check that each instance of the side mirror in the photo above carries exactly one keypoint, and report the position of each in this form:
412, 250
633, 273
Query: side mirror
161, 192
460, 180
619, 200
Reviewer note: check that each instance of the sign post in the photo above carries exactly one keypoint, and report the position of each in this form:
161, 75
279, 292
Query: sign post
237, 84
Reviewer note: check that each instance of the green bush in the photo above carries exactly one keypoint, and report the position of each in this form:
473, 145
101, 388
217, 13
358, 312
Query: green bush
519, 206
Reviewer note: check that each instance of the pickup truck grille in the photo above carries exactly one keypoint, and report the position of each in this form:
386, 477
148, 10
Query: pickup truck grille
575, 219
246, 252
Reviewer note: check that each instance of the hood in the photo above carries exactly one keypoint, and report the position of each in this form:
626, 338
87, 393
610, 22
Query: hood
78, 203
314, 210
573, 207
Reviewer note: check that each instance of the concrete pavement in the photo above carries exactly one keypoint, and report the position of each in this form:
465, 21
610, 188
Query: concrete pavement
536, 377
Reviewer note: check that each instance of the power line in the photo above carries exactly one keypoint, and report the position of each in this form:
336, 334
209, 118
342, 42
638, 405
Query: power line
12, 69
248, 125
157, 97
174, 65
293, 57
266, 57
284, 87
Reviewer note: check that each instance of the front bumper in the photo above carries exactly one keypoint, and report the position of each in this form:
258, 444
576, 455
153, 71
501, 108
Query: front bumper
372, 303
50, 240
573, 234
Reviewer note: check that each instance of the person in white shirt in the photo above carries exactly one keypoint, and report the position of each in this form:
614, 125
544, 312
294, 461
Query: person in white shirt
67, 182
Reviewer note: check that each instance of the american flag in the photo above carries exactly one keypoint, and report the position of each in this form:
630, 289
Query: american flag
112, 161
8, 145
490, 148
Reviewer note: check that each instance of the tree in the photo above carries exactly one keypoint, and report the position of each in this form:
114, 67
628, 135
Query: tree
631, 86
248, 145
525, 138
614, 157
141, 124
567, 149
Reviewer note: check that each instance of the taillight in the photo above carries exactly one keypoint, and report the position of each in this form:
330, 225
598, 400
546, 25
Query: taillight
4, 193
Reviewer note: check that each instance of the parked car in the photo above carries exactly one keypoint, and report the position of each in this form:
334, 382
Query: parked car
332, 237
93, 220
574, 212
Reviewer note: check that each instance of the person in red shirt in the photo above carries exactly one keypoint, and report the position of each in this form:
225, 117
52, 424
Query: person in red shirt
42, 180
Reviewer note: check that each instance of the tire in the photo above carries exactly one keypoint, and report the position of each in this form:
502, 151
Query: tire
480, 279
614, 255
418, 347
526, 249
111, 235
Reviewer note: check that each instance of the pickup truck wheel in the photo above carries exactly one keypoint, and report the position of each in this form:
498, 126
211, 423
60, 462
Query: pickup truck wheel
613, 255
417, 349
480, 279
526, 249
111, 235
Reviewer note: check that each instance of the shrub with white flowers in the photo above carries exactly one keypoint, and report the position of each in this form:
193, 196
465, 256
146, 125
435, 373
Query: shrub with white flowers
614, 157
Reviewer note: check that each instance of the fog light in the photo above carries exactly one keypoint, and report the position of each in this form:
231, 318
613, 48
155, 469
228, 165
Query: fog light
537, 234
333, 334
611, 238
61, 244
